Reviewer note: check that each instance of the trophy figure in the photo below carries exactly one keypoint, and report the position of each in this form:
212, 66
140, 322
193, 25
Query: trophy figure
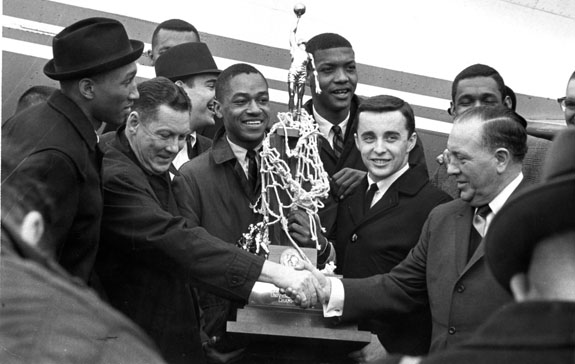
291, 170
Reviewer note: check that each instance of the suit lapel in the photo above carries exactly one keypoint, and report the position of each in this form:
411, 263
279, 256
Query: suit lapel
355, 203
463, 223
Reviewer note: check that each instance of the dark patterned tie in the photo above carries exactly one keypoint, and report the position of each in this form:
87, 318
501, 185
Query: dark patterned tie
252, 168
337, 140
478, 229
369, 197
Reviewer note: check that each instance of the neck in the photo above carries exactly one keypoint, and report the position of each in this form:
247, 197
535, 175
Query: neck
333, 116
85, 109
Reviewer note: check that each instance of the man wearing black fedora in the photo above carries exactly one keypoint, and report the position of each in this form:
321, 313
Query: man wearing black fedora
95, 63
530, 249
192, 67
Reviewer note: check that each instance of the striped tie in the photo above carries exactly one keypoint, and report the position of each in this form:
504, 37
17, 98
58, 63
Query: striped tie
337, 140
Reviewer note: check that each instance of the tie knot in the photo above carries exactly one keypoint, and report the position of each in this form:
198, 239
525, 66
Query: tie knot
251, 154
336, 129
483, 211
373, 188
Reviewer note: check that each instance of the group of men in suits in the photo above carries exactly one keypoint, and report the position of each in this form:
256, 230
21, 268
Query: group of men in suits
408, 256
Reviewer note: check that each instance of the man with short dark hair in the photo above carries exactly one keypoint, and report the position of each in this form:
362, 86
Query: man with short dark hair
218, 189
33, 96
446, 270
48, 316
335, 111
479, 85
192, 67
95, 63
170, 33
530, 249
381, 221
151, 256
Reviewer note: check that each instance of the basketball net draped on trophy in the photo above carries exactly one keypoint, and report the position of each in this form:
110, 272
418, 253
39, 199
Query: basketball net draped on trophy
292, 173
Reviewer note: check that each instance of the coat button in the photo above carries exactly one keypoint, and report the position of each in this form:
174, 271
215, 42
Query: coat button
451, 330
460, 288
354, 238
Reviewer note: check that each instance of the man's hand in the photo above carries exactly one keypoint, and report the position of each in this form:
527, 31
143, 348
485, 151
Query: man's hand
300, 230
299, 285
344, 182
322, 284
372, 351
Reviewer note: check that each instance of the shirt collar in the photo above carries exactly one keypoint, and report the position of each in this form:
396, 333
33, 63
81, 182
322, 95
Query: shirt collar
497, 203
240, 152
325, 125
383, 185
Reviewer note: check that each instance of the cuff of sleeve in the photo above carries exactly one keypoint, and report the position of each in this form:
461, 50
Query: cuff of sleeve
334, 307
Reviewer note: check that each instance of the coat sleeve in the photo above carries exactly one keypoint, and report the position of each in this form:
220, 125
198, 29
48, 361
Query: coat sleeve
402, 290
136, 223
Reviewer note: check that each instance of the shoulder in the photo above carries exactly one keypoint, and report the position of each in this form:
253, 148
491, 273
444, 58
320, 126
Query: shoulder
198, 167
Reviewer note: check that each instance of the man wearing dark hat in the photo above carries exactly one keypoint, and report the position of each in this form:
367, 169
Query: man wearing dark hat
192, 67
530, 249
446, 269
95, 63
335, 111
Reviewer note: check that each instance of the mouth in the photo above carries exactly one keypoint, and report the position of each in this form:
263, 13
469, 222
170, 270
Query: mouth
461, 184
253, 123
211, 106
380, 162
341, 93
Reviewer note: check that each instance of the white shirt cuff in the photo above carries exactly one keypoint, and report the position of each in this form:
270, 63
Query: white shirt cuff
334, 307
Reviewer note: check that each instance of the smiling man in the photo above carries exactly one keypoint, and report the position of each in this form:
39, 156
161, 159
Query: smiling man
335, 111
381, 221
218, 189
95, 63
150, 255
192, 67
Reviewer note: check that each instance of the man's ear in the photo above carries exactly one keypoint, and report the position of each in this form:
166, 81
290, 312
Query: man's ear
411, 141
218, 109
32, 228
451, 109
507, 102
503, 157
86, 87
356, 138
179, 83
519, 287
132, 122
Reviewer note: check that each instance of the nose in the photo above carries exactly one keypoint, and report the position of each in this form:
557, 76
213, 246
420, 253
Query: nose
134, 94
341, 75
253, 107
452, 167
380, 146
174, 145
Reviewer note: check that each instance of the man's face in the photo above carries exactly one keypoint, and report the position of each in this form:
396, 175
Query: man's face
157, 142
384, 143
166, 39
570, 103
337, 79
201, 91
477, 91
114, 94
245, 109
472, 164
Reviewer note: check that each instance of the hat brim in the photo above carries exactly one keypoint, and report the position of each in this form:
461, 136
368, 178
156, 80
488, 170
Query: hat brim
186, 75
524, 221
137, 46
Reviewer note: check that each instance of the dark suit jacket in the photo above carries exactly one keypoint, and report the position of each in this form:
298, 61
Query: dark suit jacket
55, 143
151, 256
520, 333
350, 158
461, 294
374, 243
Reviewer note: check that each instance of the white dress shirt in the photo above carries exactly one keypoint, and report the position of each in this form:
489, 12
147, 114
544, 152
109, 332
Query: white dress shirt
325, 126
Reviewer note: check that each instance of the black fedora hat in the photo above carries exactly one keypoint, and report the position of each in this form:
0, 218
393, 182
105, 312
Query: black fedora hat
89, 47
537, 213
186, 60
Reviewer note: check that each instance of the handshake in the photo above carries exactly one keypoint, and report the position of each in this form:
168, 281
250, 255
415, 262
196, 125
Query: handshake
305, 285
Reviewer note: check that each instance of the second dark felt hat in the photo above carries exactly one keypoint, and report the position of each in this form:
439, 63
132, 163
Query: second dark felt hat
89, 47
535, 214
186, 60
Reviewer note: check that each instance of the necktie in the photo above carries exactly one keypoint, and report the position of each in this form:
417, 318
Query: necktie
191, 150
478, 230
369, 197
337, 140
252, 168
